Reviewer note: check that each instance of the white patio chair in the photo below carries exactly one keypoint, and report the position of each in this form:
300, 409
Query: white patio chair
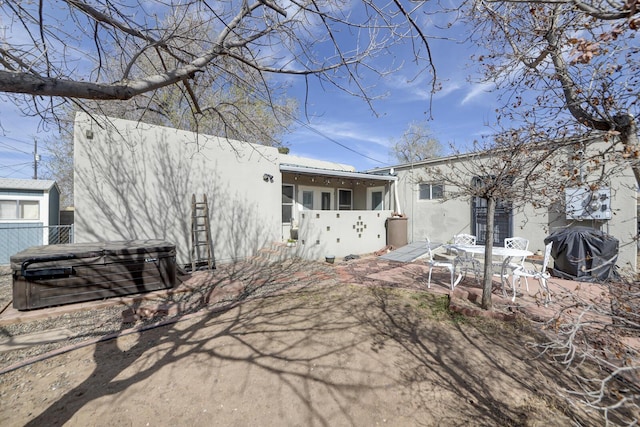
542, 276
432, 262
464, 239
511, 243
517, 243
466, 261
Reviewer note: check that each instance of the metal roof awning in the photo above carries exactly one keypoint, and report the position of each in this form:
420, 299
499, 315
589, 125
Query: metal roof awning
335, 173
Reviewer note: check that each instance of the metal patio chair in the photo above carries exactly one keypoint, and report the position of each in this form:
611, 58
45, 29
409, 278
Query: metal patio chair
465, 261
464, 239
542, 276
432, 262
512, 243
517, 243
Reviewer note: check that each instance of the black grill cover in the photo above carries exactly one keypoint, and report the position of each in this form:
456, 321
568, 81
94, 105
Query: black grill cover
584, 254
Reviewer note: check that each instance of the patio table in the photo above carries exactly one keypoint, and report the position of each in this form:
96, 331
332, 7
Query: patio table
505, 253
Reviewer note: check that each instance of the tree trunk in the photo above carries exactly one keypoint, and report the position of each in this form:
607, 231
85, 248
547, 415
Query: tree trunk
487, 281
626, 125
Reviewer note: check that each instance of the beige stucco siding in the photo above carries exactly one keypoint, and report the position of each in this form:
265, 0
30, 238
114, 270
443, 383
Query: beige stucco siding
440, 220
135, 181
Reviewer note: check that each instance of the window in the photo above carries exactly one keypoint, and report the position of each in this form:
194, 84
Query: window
19, 209
8, 209
326, 201
307, 200
29, 209
430, 191
287, 203
344, 200
376, 201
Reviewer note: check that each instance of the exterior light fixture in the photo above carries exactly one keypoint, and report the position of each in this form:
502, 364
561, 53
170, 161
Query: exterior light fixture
267, 177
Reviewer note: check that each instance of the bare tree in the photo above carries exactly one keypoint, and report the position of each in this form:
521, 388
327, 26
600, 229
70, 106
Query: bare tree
571, 66
416, 144
44, 55
58, 164
223, 103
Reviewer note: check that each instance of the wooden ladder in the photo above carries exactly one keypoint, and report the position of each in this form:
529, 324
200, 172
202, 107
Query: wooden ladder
201, 253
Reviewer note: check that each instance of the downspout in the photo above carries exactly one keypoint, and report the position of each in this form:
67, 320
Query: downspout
395, 193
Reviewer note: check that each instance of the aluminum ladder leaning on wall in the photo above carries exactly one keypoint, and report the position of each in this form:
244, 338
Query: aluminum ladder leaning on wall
201, 252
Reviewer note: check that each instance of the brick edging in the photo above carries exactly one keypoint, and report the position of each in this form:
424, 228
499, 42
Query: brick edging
457, 306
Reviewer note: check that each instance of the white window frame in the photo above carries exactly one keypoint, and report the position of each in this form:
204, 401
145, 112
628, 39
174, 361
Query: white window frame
431, 185
18, 214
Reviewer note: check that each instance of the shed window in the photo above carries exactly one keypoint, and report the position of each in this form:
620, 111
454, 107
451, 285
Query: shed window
19, 209
431, 191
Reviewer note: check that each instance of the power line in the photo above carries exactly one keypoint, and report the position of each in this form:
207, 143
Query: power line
314, 130
14, 148
262, 97
18, 170
14, 165
21, 141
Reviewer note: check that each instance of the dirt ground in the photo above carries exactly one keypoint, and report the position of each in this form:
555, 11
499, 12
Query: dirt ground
321, 353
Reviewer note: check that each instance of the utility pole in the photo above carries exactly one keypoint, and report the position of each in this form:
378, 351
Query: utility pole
36, 159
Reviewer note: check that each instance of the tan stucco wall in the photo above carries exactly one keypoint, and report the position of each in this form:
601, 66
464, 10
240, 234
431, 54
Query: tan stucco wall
441, 220
135, 181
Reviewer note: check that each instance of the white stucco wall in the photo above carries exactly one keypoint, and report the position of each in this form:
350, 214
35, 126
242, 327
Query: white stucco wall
341, 233
135, 181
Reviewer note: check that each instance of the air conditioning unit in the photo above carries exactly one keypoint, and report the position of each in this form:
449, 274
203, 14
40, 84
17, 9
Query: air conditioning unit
584, 204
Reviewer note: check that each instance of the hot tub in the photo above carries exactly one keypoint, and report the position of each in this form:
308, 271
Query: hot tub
45, 276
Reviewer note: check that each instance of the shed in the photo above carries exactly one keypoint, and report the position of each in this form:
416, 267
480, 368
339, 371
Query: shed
28, 208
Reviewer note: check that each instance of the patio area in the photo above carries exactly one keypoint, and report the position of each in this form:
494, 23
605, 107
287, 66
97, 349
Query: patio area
229, 282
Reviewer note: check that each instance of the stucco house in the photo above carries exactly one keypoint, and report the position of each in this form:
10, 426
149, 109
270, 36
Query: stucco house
28, 210
431, 213
135, 181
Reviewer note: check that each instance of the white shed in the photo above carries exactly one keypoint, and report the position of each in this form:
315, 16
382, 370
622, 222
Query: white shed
28, 208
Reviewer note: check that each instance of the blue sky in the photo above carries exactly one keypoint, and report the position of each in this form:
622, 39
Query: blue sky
460, 113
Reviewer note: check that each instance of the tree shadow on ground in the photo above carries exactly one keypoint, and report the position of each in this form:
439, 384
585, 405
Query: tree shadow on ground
322, 353
479, 369
306, 320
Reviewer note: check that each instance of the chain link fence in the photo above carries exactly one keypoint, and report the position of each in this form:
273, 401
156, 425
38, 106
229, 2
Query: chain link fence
17, 237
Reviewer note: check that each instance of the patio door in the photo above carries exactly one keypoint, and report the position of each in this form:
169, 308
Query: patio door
375, 201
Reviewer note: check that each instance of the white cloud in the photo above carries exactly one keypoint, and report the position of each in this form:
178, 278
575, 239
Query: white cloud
357, 131
477, 91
